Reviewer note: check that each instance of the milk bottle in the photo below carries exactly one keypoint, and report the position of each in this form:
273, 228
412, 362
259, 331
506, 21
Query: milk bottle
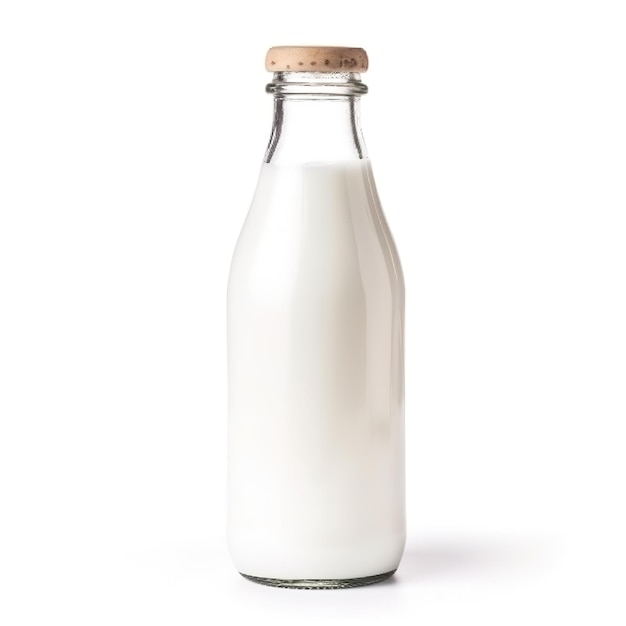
315, 345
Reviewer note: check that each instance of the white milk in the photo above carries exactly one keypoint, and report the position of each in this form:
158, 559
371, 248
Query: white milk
316, 396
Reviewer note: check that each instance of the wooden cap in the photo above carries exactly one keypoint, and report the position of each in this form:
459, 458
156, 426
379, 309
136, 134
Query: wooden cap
315, 59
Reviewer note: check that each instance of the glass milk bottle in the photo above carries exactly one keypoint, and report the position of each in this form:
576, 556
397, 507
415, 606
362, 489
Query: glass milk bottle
315, 345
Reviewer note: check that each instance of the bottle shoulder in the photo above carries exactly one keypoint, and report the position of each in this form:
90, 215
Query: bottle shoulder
316, 233
324, 215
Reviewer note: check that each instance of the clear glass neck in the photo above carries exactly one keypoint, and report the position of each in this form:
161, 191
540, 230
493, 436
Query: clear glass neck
316, 117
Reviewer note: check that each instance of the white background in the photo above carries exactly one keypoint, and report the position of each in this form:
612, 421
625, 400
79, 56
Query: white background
131, 135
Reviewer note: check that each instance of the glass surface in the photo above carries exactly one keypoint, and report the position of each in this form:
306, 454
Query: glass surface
320, 584
316, 117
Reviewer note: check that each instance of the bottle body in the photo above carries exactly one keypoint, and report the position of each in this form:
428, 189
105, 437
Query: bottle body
316, 379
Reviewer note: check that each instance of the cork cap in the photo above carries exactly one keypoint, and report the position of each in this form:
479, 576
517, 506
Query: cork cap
315, 59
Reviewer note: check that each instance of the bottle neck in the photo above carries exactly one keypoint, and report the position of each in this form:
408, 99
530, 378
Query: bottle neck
316, 117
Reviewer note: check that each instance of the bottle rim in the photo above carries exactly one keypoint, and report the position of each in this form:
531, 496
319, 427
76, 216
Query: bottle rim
338, 84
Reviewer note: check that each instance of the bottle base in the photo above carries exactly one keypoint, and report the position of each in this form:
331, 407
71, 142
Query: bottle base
315, 583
